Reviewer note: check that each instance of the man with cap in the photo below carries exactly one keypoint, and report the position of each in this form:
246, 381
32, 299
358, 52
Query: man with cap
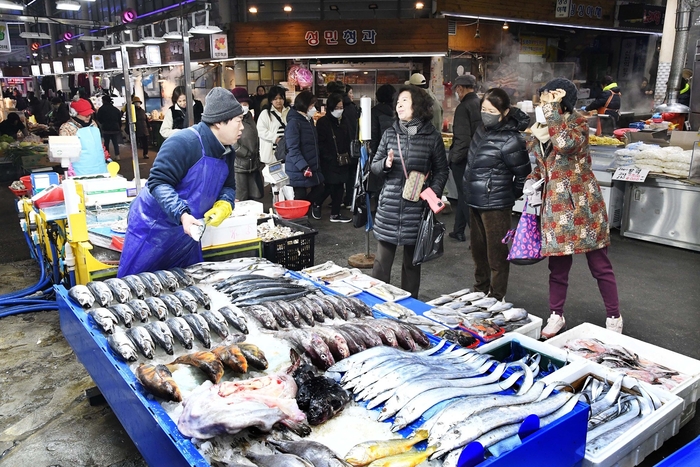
417, 79
82, 124
192, 178
466, 120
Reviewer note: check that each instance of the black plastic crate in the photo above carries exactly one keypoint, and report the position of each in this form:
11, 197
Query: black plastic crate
295, 253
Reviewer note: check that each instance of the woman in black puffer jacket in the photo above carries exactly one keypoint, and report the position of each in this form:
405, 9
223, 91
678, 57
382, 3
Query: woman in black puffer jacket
397, 220
302, 163
497, 166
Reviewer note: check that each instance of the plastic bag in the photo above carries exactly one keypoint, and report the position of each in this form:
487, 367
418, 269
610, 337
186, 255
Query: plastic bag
431, 235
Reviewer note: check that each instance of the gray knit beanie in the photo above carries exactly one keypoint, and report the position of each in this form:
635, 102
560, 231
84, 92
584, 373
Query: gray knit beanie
221, 106
568, 102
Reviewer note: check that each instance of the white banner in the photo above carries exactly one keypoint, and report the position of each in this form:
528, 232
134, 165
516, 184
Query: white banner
5, 46
153, 55
219, 46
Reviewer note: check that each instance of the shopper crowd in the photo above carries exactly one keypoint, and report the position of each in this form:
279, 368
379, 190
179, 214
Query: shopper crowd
235, 136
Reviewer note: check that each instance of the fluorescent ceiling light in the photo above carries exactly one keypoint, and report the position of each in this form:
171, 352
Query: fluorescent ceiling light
550, 23
93, 38
205, 29
10, 5
68, 5
34, 35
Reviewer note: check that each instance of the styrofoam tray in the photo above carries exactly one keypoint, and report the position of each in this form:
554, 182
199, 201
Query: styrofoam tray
533, 344
640, 440
688, 390
531, 329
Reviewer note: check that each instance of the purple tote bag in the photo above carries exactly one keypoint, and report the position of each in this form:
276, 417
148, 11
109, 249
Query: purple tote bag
527, 240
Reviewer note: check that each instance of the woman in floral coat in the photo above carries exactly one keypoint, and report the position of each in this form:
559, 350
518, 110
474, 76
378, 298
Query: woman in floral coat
574, 217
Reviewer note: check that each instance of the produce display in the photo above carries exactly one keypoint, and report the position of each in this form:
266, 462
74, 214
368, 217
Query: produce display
604, 141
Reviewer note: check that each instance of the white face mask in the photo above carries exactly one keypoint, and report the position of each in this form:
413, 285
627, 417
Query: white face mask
311, 112
539, 115
245, 109
337, 113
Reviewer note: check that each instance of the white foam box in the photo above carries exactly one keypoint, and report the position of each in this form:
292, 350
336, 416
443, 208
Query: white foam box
248, 208
531, 329
233, 229
103, 190
688, 390
547, 351
640, 440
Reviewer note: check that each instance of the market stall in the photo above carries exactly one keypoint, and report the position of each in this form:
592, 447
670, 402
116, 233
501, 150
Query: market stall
328, 314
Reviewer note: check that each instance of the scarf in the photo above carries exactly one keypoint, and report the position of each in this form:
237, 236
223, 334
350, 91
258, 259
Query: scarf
410, 127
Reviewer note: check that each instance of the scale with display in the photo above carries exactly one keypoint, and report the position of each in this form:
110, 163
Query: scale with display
275, 175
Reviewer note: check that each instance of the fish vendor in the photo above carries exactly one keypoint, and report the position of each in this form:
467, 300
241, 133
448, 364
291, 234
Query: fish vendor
192, 178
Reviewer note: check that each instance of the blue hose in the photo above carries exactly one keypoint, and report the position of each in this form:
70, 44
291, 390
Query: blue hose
28, 309
24, 301
42, 284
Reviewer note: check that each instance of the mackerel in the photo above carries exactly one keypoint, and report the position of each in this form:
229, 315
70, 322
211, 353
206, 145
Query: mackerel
201, 297
161, 334
120, 289
173, 304
259, 300
235, 319
187, 299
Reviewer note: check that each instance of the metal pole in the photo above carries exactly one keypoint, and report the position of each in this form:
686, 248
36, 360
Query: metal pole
129, 118
187, 71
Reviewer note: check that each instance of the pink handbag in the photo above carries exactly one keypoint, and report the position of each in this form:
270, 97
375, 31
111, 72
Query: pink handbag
527, 240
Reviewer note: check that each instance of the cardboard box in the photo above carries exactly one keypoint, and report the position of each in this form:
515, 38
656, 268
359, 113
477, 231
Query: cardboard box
640, 440
689, 390
233, 229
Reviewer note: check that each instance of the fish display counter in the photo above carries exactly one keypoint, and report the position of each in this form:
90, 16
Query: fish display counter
216, 363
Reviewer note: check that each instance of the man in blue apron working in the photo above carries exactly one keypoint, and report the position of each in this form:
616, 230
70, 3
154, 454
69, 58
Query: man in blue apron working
192, 178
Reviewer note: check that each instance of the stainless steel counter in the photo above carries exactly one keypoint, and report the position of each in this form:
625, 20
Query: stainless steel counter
663, 210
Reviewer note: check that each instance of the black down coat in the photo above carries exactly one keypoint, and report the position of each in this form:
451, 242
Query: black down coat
328, 126
498, 164
302, 151
397, 220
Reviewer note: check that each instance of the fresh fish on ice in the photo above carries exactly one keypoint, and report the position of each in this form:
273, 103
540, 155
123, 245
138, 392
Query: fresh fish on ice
138, 288
167, 280
104, 319
161, 335
158, 380
122, 345
142, 339
187, 299
173, 304
232, 357
200, 328
205, 361
485, 302
316, 453
158, 307
120, 289
182, 277
123, 312
201, 297
235, 319
181, 330
365, 453
500, 307
103, 296
82, 295
254, 356
140, 309
152, 283
216, 322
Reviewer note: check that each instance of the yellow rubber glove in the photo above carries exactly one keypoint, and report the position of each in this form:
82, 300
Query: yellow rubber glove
218, 213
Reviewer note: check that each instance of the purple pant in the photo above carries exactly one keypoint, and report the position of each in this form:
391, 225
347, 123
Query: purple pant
601, 269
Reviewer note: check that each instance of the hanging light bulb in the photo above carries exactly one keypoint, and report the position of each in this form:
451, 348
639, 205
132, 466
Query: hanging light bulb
505, 25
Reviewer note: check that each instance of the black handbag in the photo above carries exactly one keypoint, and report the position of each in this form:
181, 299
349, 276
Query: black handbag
355, 148
281, 148
431, 236
342, 159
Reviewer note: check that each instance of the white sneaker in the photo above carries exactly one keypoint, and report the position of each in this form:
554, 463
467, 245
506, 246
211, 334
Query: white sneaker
614, 324
555, 323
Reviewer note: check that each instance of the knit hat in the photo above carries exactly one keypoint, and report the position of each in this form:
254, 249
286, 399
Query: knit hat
568, 102
221, 106
241, 94
82, 107
468, 81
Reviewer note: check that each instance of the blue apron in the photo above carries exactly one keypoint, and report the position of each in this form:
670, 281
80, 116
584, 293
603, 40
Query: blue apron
152, 240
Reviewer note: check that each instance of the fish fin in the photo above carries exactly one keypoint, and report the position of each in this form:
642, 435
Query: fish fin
172, 366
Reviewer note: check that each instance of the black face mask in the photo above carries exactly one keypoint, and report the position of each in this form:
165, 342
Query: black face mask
490, 120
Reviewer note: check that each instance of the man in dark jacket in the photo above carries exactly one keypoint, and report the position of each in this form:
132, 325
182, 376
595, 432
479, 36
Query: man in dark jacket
110, 119
466, 120
247, 164
608, 101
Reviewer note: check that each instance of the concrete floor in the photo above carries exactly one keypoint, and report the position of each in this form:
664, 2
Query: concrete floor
46, 420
